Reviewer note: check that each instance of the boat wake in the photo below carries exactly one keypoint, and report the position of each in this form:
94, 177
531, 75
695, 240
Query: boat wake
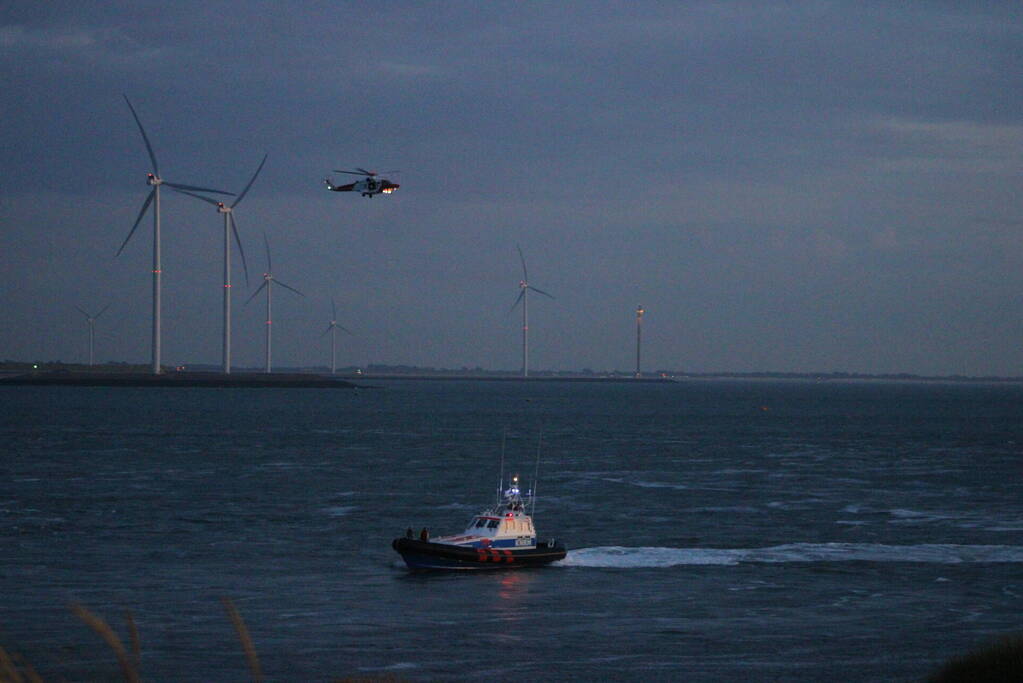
626, 558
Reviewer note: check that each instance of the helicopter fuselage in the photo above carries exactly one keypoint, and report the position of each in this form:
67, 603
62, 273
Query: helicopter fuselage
366, 187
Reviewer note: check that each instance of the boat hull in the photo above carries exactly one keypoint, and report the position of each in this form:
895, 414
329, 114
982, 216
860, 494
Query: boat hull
423, 555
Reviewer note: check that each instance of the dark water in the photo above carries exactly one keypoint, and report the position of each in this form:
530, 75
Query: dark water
717, 531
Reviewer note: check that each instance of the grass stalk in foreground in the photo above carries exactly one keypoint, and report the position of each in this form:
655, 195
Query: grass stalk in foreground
101, 627
243, 635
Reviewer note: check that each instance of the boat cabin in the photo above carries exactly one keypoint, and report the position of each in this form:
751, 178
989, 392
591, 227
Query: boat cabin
506, 525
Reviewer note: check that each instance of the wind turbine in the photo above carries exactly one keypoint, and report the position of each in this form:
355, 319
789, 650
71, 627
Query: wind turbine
524, 288
332, 328
155, 181
268, 281
91, 319
639, 336
230, 226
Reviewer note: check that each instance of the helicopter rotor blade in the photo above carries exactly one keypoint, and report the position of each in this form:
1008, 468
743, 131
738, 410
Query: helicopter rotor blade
365, 172
251, 180
145, 138
142, 211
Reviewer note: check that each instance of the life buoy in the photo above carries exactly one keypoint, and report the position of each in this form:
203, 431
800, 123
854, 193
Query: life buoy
485, 543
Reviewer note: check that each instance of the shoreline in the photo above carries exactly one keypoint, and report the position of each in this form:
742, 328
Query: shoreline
177, 379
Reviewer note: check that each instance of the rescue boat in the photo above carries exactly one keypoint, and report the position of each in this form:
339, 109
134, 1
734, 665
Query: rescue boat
501, 537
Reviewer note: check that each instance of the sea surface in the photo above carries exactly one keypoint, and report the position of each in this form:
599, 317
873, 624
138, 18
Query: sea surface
717, 530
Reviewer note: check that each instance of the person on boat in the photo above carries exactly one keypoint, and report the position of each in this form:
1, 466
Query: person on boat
424, 535
408, 532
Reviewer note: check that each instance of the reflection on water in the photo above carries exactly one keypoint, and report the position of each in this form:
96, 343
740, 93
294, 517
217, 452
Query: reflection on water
511, 609
514, 585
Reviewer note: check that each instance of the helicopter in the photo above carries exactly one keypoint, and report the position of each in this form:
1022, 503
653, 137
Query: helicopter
370, 185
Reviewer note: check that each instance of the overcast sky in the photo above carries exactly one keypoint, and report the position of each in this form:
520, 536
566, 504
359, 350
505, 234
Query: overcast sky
815, 186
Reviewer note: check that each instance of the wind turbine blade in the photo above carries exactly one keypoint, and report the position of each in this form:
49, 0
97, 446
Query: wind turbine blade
214, 202
102, 312
258, 290
82, 311
145, 138
344, 329
145, 205
329, 328
238, 241
539, 291
278, 282
523, 259
522, 293
266, 243
333, 309
251, 180
179, 186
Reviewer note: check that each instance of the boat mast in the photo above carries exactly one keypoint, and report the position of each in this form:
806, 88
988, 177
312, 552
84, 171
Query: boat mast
500, 484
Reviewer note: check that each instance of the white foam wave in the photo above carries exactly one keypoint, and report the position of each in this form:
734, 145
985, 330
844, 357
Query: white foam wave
928, 553
647, 484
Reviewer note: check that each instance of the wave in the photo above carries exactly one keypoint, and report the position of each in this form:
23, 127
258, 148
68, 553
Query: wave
340, 510
646, 484
928, 553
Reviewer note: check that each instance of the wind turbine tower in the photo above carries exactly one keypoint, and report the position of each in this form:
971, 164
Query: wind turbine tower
268, 282
155, 181
91, 319
332, 328
524, 288
230, 226
639, 335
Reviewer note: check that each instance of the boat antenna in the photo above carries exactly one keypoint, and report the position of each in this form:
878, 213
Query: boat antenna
500, 484
536, 475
